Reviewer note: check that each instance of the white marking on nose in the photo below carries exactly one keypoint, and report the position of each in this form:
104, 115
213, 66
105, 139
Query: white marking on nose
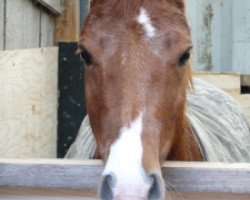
125, 161
145, 21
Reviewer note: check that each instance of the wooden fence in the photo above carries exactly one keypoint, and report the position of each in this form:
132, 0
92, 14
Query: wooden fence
72, 174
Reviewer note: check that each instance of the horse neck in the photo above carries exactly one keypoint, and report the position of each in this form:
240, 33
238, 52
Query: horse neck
184, 146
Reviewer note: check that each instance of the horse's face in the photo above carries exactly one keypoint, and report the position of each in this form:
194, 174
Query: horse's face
136, 76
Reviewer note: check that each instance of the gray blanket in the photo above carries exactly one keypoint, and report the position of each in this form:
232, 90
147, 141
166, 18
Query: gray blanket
218, 123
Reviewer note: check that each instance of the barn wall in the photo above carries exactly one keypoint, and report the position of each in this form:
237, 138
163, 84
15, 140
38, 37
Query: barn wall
28, 99
221, 35
1, 24
25, 24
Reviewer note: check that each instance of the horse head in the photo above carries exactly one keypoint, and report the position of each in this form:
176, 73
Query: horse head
137, 73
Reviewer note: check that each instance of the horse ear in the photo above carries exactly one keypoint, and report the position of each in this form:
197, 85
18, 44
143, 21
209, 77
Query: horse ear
92, 2
180, 4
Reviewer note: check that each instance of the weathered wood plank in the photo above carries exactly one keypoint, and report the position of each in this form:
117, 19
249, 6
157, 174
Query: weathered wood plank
2, 25
88, 194
210, 37
28, 99
240, 40
22, 24
179, 176
47, 30
230, 83
208, 177
67, 25
219, 47
53, 5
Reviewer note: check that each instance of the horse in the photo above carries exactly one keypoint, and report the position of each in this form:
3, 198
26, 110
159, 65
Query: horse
137, 73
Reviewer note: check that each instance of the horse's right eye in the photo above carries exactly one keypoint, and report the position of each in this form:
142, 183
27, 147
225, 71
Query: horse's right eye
184, 58
86, 57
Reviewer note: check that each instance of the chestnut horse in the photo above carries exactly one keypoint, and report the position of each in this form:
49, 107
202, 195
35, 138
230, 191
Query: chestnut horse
136, 56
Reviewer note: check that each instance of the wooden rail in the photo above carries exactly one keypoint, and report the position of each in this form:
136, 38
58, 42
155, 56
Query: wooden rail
179, 176
90, 194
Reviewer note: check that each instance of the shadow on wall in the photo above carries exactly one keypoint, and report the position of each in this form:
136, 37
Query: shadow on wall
71, 109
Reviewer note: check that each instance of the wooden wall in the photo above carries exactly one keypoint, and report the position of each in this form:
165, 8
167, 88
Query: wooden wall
1, 24
28, 99
25, 24
221, 35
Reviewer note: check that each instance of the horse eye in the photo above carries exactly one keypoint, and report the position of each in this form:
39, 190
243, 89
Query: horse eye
86, 57
184, 58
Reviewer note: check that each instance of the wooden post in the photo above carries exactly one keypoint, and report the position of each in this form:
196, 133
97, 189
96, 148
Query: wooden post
67, 25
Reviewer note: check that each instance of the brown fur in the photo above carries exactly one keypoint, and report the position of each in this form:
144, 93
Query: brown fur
150, 79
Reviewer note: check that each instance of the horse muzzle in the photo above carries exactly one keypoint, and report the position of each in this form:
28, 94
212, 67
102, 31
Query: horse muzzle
111, 188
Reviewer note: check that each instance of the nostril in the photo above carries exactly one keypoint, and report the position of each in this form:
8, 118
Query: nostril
107, 183
157, 189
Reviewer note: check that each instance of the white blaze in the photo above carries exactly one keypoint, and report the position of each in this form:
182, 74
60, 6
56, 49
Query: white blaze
145, 21
125, 161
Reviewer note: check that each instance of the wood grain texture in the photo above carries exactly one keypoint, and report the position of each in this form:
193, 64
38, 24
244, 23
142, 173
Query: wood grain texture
53, 5
28, 99
87, 194
26, 25
67, 25
179, 176
241, 40
230, 83
22, 25
47, 30
220, 33
1, 24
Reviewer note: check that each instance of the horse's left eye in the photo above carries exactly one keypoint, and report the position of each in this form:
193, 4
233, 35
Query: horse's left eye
86, 57
184, 58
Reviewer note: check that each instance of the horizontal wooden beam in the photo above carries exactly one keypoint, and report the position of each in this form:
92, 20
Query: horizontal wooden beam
92, 194
228, 82
53, 5
179, 176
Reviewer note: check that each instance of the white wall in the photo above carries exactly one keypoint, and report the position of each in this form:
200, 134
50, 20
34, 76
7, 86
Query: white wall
221, 34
